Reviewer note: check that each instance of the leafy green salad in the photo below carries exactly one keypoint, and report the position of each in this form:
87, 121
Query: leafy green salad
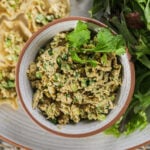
131, 18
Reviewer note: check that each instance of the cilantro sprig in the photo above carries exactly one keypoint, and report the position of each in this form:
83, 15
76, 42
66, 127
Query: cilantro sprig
79, 36
106, 43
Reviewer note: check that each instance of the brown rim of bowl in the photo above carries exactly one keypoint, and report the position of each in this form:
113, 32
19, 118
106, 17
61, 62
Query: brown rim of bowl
65, 134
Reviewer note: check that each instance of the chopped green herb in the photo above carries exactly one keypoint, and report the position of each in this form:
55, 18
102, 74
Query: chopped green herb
38, 75
45, 66
74, 87
77, 59
104, 59
75, 100
8, 42
50, 18
50, 52
40, 18
59, 61
54, 121
41, 51
9, 84
64, 56
79, 36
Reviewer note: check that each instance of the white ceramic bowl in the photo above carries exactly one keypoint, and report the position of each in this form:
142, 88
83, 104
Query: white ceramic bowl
25, 93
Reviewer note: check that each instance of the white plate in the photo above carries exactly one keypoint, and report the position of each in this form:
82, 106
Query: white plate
19, 128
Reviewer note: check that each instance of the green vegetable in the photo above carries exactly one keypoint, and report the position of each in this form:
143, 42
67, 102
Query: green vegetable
76, 58
145, 7
131, 19
50, 52
8, 42
43, 19
40, 18
113, 44
54, 121
104, 59
9, 84
80, 35
106, 43
50, 18
13, 3
38, 75
59, 61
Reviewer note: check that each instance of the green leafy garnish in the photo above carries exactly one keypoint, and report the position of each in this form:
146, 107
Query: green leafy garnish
106, 43
109, 43
38, 75
131, 19
79, 36
11, 84
104, 59
43, 19
7, 85
76, 58
8, 42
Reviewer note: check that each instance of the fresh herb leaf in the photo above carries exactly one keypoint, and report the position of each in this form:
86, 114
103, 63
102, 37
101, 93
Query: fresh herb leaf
9, 84
77, 59
8, 42
43, 19
77, 39
50, 18
131, 19
80, 35
106, 43
104, 59
81, 26
38, 75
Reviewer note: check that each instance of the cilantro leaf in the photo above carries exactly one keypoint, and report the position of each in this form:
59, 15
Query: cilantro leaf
105, 42
77, 59
80, 35
108, 43
81, 26
78, 38
104, 35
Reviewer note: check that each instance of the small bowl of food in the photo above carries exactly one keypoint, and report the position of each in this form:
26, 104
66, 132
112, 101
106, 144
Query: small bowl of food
74, 77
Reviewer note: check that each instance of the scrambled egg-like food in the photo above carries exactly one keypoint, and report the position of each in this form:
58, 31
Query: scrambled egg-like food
67, 92
18, 20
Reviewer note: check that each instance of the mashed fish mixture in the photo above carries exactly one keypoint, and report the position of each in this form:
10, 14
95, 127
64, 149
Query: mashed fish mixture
66, 91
